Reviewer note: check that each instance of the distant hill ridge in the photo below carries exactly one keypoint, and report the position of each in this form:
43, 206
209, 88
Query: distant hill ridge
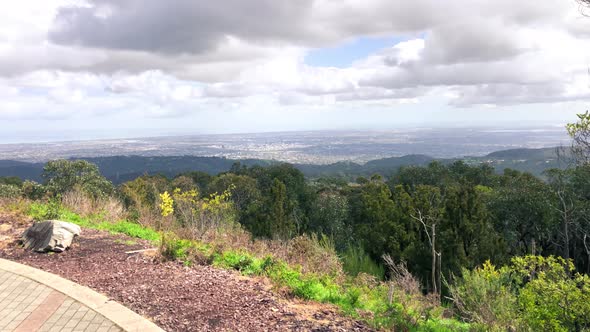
123, 168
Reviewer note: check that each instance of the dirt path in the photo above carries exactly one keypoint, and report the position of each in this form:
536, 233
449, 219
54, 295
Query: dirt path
177, 298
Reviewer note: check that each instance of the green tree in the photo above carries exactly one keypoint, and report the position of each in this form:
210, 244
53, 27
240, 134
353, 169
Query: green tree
247, 199
64, 175
201, 179
184, 183
281, 222
33, 190
330, 212
9, 191
579, 131
521, 211
141, 197
11, 180
378, 221
467, 229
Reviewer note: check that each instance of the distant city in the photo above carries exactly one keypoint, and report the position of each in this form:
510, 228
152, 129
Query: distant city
310, 147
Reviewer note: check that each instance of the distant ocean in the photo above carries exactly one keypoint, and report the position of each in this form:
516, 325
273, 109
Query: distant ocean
82, 135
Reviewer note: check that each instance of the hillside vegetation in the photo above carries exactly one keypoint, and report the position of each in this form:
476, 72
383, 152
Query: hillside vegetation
119, 169
437, 247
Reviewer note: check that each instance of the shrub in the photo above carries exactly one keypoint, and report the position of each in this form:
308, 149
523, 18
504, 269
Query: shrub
316, 255
484, 296
53, 209
552, 297
11, 180
236, 260
190, 252
9, 191
33, 190
62, 176
405, 298
533, 293
200, 215
355, 260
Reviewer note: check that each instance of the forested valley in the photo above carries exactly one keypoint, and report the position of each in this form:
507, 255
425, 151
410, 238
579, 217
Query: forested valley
425, 245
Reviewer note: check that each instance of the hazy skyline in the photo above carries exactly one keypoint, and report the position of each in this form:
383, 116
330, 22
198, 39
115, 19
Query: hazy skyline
151, 67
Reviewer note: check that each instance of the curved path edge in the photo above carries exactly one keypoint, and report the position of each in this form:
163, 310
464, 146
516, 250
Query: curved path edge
113, 311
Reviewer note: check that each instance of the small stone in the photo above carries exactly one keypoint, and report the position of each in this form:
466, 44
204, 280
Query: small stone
50, 235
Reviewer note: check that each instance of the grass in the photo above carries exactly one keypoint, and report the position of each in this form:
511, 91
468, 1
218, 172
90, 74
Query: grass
355, 260
40, 211
357, 299
126, 242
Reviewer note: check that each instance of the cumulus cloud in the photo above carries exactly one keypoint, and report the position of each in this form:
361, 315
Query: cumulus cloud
177, 26
175, 57
540, 65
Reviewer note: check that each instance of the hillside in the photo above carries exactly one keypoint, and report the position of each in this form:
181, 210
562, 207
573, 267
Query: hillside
153, 288
119, 169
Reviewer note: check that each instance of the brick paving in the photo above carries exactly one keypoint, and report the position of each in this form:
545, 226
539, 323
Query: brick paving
28, 306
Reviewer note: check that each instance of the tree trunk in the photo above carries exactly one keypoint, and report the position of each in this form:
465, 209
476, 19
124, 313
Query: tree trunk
587, 254
566, 249
434, 283
439, 272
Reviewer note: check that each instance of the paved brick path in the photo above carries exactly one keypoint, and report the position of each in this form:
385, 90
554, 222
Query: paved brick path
33, 300
26, 305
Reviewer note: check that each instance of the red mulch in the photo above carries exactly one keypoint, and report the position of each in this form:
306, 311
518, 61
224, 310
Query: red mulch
175, 297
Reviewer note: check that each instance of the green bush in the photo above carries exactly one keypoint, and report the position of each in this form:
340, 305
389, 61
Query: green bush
355, 260
484, 296
533, 293
63, 175
9, 191
236, 260
187, 251
552, 297
33, 190
46, 211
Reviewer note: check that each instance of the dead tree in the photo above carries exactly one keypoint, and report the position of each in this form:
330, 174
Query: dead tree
428, 213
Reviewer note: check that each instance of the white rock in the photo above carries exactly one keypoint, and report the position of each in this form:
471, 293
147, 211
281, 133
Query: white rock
50, 235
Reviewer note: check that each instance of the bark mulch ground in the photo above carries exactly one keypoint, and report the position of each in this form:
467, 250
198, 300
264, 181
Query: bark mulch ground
175, 297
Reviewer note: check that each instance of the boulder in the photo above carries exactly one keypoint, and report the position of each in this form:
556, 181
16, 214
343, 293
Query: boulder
50, 235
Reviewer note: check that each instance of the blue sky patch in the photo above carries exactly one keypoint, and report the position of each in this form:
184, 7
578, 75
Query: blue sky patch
345, 54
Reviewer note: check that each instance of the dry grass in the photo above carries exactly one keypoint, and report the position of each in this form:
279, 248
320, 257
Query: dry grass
401, 278
15, 209
405, 289
314, 255
109, 208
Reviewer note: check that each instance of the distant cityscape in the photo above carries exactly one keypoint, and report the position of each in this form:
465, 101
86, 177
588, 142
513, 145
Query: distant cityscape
311, 147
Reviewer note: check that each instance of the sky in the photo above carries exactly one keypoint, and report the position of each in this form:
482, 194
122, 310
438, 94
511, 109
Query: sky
123, 68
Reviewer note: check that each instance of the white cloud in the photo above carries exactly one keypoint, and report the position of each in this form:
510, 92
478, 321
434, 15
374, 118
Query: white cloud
67, 59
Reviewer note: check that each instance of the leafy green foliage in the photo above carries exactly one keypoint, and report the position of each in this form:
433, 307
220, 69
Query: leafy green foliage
476, 215
282, 226
329, 215
33, 190
9, 191
11, 180
580, 133
62, 176
532, 293
355, 260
